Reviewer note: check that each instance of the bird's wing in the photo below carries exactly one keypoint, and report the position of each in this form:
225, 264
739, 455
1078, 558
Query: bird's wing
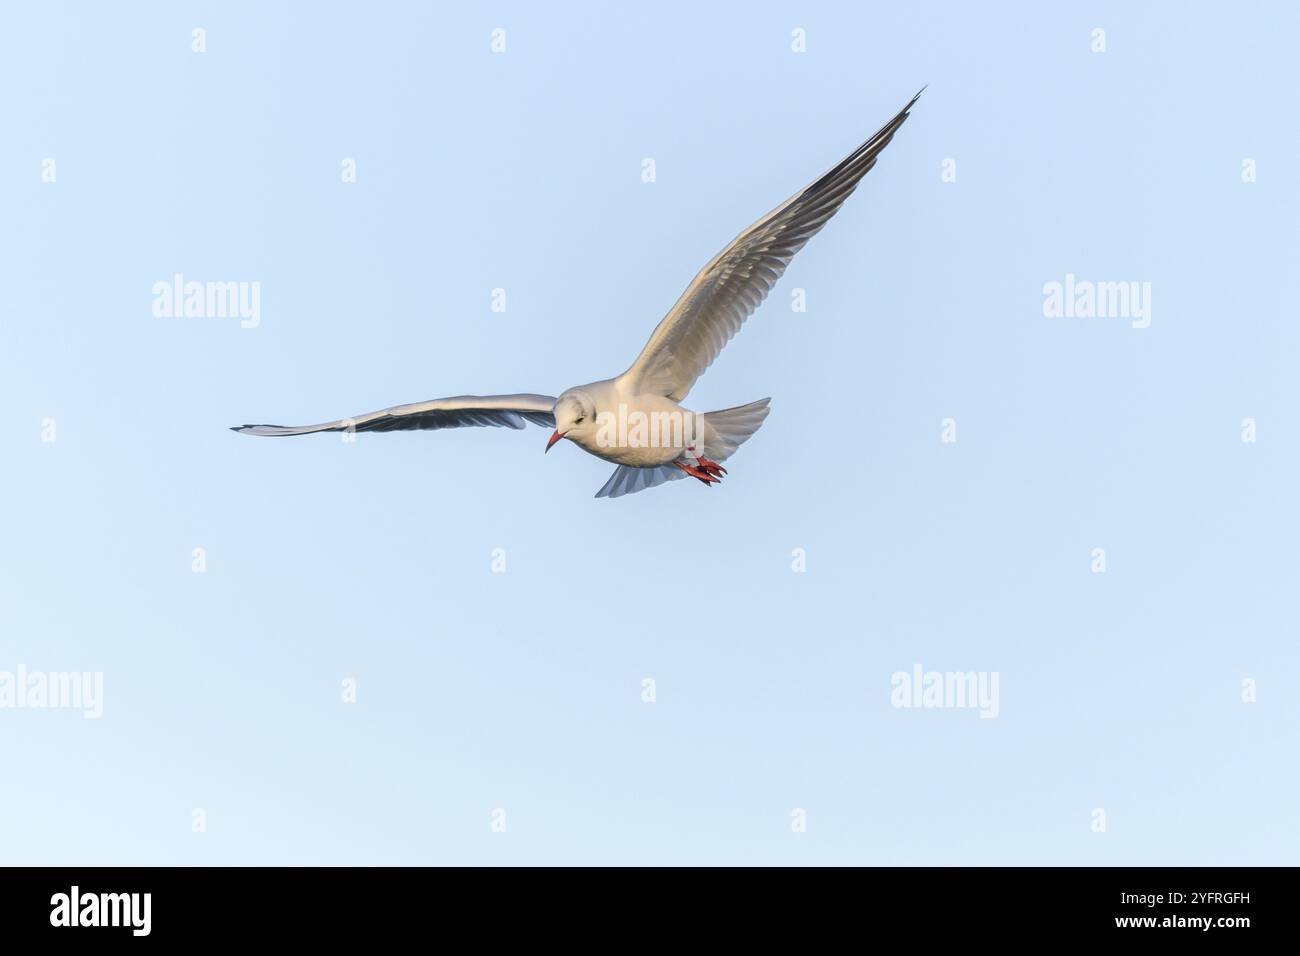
627, 480
463, 410
728, 290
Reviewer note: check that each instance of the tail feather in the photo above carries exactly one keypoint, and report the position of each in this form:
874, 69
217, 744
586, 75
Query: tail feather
733, 426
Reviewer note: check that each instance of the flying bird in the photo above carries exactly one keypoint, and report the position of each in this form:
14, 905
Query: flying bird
635, 419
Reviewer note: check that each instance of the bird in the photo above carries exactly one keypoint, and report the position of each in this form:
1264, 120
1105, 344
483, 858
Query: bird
636, 420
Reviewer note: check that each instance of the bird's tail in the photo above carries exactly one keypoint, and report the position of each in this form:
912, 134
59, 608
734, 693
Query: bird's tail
732, 427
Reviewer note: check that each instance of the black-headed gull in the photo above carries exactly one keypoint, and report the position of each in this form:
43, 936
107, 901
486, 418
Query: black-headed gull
635, 419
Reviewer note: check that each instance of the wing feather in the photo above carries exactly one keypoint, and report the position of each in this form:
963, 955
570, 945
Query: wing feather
510, 411
727, 291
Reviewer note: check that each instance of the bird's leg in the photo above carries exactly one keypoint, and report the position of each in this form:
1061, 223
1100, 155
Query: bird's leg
712, 467
703, 476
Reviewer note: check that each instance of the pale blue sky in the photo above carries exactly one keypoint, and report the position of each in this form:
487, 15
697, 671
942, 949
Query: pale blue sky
522, 690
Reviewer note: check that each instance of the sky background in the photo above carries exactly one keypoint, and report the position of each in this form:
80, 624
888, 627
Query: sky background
522, 690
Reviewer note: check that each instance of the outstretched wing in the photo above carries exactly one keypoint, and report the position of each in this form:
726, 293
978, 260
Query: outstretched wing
512, 411
728, 290
628, 481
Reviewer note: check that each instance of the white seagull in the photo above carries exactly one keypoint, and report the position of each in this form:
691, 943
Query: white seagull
635, 420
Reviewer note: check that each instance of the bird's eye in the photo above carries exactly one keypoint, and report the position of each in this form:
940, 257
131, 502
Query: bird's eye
577, 421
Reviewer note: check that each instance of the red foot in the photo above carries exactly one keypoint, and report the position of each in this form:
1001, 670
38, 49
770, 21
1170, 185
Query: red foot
712, 467
705, 470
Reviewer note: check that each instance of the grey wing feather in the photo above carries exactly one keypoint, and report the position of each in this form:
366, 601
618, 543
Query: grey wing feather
627, 480
510, 411
728, 290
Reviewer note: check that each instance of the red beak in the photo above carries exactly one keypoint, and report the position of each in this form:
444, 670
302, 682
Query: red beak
554, 438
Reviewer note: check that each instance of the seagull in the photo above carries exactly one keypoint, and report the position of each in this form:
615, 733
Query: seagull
635, 420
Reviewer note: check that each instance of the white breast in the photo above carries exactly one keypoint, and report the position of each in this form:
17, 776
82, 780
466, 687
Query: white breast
642, 431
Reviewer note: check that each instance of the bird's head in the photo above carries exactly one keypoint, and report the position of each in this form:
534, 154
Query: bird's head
575, 416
